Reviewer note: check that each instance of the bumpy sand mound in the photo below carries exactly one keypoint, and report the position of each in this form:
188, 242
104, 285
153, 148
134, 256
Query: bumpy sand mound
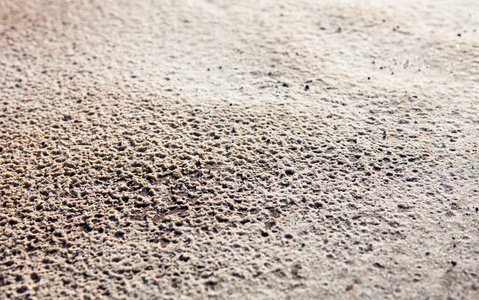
239, 149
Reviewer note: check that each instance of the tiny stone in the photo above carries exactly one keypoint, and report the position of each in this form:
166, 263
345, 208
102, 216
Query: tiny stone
403, 206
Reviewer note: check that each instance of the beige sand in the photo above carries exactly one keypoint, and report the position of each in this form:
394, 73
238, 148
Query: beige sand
293, 149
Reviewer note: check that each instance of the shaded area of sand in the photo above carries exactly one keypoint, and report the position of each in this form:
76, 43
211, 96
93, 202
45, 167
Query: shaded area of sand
239, 149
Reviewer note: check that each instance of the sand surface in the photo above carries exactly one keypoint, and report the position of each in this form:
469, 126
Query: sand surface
292, 149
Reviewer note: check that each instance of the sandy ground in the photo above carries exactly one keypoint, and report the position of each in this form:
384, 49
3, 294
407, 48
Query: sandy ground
293, 149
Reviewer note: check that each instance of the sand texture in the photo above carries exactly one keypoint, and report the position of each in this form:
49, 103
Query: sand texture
227, 149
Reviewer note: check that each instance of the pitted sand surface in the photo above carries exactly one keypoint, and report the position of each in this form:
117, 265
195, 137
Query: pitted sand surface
293, 149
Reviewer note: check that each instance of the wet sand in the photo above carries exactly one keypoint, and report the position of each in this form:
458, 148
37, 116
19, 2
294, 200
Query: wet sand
239, 149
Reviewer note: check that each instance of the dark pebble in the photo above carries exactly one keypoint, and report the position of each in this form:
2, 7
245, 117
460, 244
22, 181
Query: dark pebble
378, 265
404, 206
